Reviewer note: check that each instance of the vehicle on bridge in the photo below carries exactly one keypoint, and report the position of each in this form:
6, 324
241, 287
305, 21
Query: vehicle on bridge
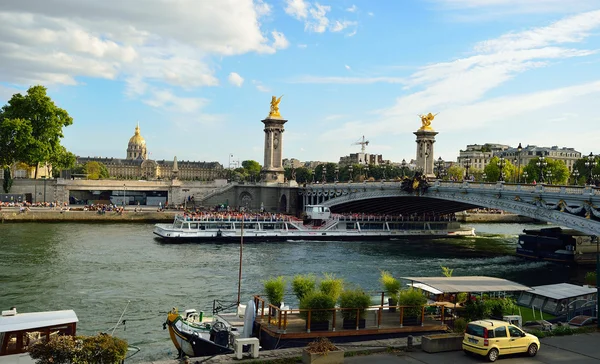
319, 224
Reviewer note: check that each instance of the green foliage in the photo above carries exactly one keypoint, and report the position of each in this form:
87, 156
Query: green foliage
563, 331
447, 272
63, 159
455, 172
332, 286
317, 301
460, 325
303, 284
275, 289
15, 137
560, 172
252, 169
354, 298
412, 297
8, 181
101, 348
476, 309
390, 284
500, 306
45, 121
303, 175
590, 278
96, 170
492, 170
462, 297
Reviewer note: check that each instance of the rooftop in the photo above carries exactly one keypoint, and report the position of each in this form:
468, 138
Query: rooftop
561, 291
469, 284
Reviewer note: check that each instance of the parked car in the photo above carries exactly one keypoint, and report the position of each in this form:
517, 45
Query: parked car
492, 338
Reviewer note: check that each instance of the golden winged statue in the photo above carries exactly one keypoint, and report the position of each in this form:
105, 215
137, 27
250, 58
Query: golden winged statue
426, 121
274, 113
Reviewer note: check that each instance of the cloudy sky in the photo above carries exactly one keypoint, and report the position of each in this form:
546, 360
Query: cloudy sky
198, 75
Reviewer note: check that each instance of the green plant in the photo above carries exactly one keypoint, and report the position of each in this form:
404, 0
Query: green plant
590, 278
476, 309
357, 299
497, 307
102, 348
390, 284
413, 298
460, 325
303, 284
447, 272
275, 289
462, 297
317, 301
332, 286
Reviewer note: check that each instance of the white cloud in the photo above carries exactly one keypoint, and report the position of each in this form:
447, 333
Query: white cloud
168, 100
280, 42
235, 79
59, 41
527, 6
340, 25
370, 13
260, 87
315, 16
297, 8
303, 46
347, 67
319, 21
352, 9
347, 80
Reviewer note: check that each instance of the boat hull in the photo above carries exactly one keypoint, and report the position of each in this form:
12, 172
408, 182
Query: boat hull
197, 340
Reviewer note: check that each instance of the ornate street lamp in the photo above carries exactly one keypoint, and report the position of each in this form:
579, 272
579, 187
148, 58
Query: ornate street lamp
501, 164
337, 173
439, 168
383, 171
467, 166
519, 149
403, 168
549, 175
541, 163
590, 164
350, 173
366, 173
525, 175
324, 174
314, 172
575, 176
484, 177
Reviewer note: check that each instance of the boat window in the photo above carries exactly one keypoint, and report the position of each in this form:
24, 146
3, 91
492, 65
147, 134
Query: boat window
32, 337
350, 226
194, 226
268, 226
11, 347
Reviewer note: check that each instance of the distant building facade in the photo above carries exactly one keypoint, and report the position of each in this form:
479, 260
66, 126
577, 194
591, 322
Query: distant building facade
361, 158
138, 166
292, 163
568, 155
480, 155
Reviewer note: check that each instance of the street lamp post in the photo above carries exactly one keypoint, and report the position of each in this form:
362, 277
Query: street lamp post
467, 166
525, 175
350, 168
440, 166
484, 177
403, 168
549, 175
501, 163
337, 173
366, 173
575, 175
324, 174
519, 149
590, 164
541, 163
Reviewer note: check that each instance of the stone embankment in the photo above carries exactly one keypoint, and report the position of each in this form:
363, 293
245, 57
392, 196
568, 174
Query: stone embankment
493, 218
48, 215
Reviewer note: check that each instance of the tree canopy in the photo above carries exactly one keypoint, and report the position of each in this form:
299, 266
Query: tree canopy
36, 115
560, 172
252, 169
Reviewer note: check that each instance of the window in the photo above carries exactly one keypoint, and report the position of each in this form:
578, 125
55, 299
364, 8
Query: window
514, 332
475, 330
500, 332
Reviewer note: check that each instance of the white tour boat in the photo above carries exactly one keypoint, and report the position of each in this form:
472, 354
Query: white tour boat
319, 224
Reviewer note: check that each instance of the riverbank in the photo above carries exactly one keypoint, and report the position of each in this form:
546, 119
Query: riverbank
150, 215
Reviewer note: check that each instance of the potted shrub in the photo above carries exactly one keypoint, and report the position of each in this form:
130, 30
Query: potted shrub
275, 289
323, 303
303, 284
416, 300
391, 286
332, 286
358, 301
322, 351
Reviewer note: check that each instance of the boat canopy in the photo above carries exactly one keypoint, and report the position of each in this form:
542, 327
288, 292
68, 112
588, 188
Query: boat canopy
561, 291
469, 284
33, 320
425, 287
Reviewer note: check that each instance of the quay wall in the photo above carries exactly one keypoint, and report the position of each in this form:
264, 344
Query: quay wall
493, 218
86, 216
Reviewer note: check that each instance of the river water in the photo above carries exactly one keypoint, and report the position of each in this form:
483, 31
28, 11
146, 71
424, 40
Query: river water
96, 269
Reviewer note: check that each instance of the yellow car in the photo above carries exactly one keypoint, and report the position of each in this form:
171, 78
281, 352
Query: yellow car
492, 338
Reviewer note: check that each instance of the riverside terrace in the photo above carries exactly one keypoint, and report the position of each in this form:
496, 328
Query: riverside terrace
284, 327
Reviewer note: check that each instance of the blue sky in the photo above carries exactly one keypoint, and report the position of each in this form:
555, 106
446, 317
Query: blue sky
198, 75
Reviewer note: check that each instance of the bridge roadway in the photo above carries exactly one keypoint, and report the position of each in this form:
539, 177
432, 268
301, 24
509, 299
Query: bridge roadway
575, 207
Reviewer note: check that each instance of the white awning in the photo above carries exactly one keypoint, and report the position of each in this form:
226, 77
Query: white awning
562, 291
469, 284
32, 320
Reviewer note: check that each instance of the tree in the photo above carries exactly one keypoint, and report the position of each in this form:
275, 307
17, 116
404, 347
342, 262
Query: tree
456, 172
584, 171
560, 172
15, 136
252, 169
63, 159
303, 175
96, 170
46, 121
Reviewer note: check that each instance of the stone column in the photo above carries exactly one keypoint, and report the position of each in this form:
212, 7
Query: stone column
425, 156
273, 171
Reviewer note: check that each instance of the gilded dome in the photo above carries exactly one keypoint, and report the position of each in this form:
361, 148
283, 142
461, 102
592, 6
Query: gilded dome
137, 139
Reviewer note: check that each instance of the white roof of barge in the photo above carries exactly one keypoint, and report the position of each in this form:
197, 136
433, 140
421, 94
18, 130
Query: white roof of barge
469, 284
32, 320
561, 291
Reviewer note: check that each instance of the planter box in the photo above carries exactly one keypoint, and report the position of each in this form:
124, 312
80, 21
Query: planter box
332, 357
318, 326
411, 321
442, 342
392, 302
351, 324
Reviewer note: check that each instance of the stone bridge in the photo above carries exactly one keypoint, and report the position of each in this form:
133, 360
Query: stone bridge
574, 207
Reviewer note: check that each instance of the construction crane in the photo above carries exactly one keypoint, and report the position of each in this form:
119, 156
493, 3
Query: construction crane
362, 142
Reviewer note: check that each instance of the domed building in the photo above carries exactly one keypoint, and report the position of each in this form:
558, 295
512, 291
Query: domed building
136, 149
138, 166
